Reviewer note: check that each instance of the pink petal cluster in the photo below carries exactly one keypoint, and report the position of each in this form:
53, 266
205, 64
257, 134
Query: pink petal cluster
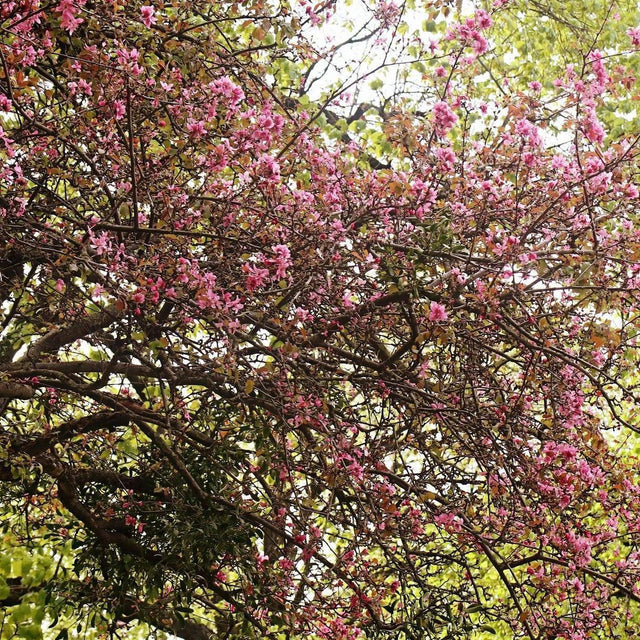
148, 15
437, 313
443, 117
634, 34
68, 10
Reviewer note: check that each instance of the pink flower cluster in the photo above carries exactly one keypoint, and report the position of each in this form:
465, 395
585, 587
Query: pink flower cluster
225, 87
68, 10
529, 132
272, 269
451, 522
148, 15
443, 117
634, 35
469, 33
437, 313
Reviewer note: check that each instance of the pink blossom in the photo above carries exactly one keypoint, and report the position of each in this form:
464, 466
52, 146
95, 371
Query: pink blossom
386, 12
479, 44
313, 16
602, 77
97, 291
119, 109
483, 19
231, 303
303, 315
268, 167
437, 313
196, 129
256, 276
85, 87
446, 156
347, 301
67, 10
225, 87
356, 472
101, 243
593, 129
469, 34
599, 358
451, 522
529, 132
148, 15
282, 259
634, 34
443, 117
207, 298
29, 55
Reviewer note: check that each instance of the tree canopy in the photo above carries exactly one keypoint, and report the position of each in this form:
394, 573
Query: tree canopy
318, 320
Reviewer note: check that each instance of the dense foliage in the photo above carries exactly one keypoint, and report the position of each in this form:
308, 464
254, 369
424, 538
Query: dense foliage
314, 337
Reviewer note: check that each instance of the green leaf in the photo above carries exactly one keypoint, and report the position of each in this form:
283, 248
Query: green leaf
30, 631
5, 590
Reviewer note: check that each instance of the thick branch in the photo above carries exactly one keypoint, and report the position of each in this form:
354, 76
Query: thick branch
69, 499
87, 424
10, 389
82, 327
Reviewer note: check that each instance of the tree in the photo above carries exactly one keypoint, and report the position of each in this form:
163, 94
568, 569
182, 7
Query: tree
270, 368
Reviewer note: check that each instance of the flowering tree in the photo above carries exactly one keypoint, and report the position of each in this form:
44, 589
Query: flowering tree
280, 363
